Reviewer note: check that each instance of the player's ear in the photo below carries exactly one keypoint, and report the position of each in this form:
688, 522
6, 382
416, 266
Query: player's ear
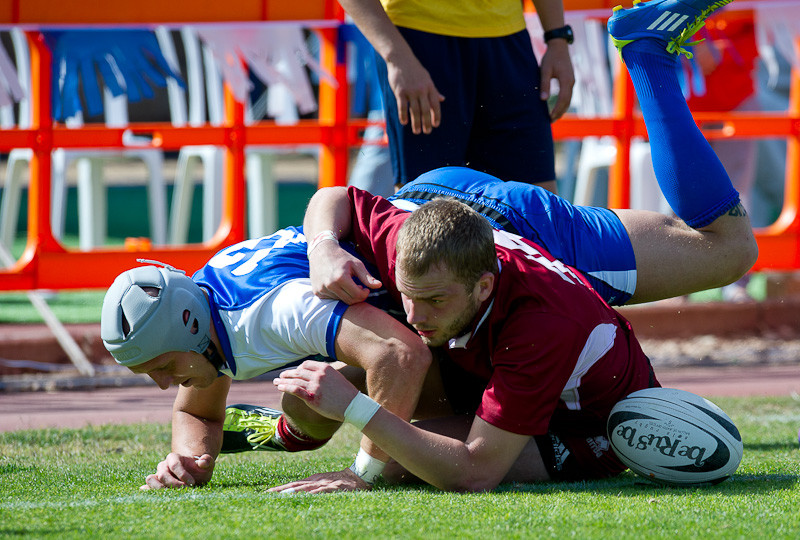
485, 285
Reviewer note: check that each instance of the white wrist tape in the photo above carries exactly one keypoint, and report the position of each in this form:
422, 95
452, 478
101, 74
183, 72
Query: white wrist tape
367, 467
319, 238
360, 411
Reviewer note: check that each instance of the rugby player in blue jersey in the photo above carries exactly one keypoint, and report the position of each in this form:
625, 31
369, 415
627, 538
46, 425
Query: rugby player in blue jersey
248, 311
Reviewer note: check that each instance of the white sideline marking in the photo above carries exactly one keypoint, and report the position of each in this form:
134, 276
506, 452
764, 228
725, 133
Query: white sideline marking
767, 418
175, 495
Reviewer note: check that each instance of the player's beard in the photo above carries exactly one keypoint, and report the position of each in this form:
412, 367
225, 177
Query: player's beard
457, 327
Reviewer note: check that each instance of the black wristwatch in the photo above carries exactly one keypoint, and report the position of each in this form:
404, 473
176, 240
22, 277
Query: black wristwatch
565, 32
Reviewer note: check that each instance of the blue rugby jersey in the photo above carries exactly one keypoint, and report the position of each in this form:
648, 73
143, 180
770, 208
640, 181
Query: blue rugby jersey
263, 307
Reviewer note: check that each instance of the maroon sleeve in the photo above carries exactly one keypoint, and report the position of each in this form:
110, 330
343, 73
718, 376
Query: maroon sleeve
375, 223
535, 356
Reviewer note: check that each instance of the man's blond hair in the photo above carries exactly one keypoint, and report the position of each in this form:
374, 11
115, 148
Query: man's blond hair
449, 234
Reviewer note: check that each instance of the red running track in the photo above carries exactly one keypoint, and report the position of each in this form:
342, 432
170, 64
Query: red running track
74, 409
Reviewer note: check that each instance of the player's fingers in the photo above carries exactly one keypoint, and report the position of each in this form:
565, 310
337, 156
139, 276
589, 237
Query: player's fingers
205, 462
369, 280
176, 470
294, 374
164, 478
152, 482
312, 484
293, 387
327, 488
347, 291
350, 292
325, 292
291, 487
359, 270
304, 372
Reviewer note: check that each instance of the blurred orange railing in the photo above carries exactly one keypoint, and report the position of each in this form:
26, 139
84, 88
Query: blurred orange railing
47, 264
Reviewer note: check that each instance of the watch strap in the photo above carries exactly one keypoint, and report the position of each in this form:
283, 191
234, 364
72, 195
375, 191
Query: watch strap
563, 32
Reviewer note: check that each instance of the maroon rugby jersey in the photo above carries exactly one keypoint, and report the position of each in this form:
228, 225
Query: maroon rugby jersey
555, 355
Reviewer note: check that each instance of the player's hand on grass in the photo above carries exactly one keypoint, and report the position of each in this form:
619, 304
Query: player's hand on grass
177, 471
345, 480
334, 272
321, 386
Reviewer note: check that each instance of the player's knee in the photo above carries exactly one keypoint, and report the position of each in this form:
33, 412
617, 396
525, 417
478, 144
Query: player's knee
418, 357
750, 254
410, 357
734, 248
742, 255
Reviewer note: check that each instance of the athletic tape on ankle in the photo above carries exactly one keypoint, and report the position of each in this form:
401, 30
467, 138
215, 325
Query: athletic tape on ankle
367, 467
360, 411
319, 238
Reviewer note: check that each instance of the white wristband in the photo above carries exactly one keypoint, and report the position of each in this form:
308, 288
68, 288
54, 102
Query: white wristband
319, 238
367, 467
360, 411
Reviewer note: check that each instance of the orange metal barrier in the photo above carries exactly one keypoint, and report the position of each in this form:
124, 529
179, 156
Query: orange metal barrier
46, 264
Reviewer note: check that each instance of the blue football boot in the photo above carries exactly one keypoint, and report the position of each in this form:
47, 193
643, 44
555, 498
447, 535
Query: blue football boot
671, 21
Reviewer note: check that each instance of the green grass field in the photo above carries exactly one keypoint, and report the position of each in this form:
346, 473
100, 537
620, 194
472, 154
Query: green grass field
84, 484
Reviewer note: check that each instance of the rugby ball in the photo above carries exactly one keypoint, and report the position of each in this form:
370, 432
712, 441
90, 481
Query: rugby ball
674, 437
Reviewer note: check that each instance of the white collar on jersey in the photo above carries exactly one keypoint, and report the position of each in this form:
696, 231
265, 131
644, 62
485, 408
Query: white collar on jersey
460, 342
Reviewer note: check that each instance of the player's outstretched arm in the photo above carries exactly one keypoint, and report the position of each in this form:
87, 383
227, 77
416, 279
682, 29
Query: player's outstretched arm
197, 418
478, 464
328, 219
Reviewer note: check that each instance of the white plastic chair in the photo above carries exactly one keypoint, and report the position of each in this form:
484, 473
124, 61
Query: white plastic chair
18, 158
204, 79
209, 157
92, 201
92, 196
283, 106
261, 182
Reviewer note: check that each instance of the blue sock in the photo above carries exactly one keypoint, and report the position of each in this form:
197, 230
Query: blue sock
690, 175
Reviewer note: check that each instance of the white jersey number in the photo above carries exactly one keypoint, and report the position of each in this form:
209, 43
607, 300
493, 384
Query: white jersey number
238, 252
512, 241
